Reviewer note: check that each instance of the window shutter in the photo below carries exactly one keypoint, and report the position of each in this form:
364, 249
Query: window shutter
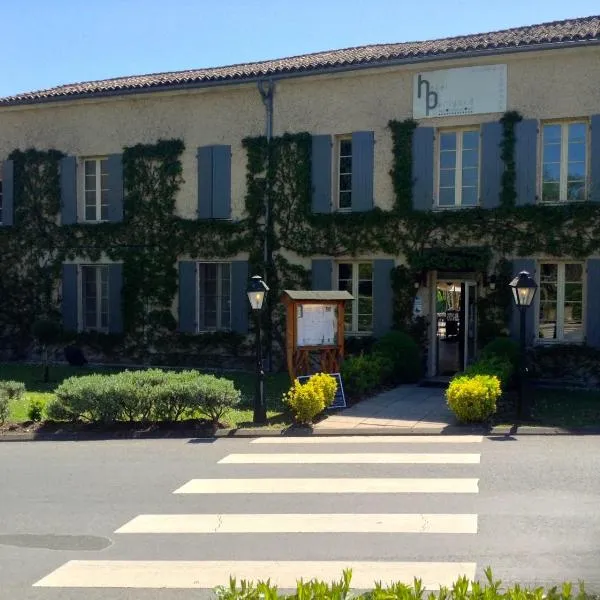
592, 303
322, 274
205, 182
382, 296
239, 296
8, 193
518, 265
321, 173
422, 168
115, 302
115, 188
363, 147
69, 297
526, 132
221, 200
595, 162
68, 190
188, 294
492, 165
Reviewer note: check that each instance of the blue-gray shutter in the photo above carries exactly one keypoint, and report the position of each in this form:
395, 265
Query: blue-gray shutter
592, 304
321, 173
422, 168
595, 159
69, 297
221, 182
492, 165
518, 265
8, 193
68, 190
115, 188
205, 182
115, 298
188, 294
322, 274
363, 148
239, 296
526, 132
382, 296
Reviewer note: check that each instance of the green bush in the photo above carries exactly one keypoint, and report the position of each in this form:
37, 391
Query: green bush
10, 391
504, 348
362, 374
35, 412
142, 395
493, 365
307, 400
472, 398
404, 354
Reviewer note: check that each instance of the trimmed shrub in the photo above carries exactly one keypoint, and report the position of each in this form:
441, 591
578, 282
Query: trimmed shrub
404, 354
10, 391
473, 398
493, 365
504, 348
307, 400
216, 397
35, 412
362, 374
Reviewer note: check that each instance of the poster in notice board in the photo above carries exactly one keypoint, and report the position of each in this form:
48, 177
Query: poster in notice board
317, 325
340, 399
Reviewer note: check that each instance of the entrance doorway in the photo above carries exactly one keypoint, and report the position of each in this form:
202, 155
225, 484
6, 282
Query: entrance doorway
456, 325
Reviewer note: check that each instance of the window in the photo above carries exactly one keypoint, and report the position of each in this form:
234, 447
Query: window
357, 278
214, 295
94, 297
561, 302
344, 178
564, 160
95, 189
458, 168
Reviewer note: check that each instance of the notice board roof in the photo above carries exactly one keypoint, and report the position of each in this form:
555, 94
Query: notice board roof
318, 296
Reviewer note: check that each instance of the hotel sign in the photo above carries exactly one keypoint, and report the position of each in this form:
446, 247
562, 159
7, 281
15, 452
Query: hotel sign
466, 91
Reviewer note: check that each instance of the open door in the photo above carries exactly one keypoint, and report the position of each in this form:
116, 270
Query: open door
470, 323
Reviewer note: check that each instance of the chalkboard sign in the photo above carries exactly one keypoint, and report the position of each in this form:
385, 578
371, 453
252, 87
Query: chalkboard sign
340, 400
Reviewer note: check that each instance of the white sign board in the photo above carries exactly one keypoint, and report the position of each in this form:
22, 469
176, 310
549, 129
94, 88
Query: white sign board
466, 91
317, 325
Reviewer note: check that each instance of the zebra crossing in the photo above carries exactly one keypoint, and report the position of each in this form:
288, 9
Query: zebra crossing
303, 460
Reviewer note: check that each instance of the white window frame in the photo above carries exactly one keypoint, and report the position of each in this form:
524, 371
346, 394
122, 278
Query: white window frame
219, 326
560, 303
353, 331
564, 160
98, 191
459, 132
81, 299
338, 159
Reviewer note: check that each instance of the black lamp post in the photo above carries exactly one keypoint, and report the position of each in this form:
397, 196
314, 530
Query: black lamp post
257, 290
523, 287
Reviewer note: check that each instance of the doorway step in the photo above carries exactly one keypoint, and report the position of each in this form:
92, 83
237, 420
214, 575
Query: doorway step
439, 381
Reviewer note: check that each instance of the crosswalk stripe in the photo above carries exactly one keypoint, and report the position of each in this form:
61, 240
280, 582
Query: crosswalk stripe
350, 458
302, 523
210, 574
334, 485
373, 439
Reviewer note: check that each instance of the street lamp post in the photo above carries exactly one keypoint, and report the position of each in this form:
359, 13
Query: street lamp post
523, 288
257, 291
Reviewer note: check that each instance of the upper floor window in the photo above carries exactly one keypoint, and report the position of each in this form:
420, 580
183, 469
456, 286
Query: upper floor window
458, 168
94, 297
95, 189
564, 161
214, 297
560, 314
344, 173
357, 278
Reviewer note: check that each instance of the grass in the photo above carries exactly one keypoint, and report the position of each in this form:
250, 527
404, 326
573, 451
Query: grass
275, 386
566, 408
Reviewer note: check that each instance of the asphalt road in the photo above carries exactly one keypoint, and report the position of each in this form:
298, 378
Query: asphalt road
527, 507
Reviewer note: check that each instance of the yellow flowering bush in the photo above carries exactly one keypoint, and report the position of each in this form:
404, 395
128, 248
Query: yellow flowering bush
472, 398
307, 400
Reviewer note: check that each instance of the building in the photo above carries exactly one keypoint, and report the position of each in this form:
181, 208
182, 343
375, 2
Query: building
419, 176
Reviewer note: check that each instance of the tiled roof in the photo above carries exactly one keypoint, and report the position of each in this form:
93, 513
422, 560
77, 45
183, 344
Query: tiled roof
555, 34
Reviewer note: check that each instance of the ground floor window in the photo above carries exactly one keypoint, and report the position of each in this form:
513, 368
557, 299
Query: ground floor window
214, 296
357, 278
560, 315
94, 297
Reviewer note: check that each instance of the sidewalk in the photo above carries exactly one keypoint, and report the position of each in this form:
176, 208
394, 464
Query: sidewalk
405, 408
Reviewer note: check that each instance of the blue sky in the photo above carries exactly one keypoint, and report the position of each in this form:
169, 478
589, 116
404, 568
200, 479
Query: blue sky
49, 42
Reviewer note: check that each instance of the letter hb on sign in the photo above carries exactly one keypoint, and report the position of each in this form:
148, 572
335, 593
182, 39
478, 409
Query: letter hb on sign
431, 97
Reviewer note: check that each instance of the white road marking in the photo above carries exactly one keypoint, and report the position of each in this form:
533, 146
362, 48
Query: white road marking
358, 458
373, 439
302, 523
210, 574
331, 486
